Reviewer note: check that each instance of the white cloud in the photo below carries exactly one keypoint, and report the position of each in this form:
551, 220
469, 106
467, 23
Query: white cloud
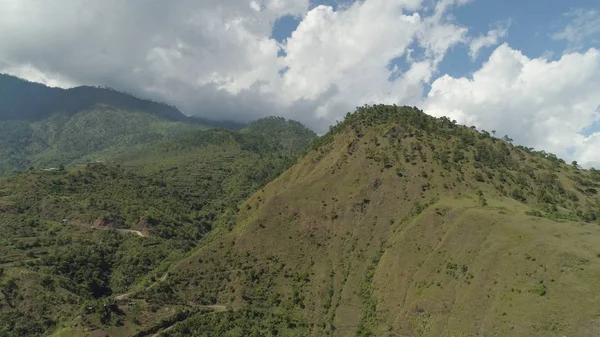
588, 151
217, 58
438, 33
583, 28
492, 38
346, 48
33, 74
538, 103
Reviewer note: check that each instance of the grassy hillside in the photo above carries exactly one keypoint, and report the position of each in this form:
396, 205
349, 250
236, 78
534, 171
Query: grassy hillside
399, 224
74, 240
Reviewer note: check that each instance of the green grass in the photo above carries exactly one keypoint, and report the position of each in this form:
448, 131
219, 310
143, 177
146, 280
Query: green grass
69, 332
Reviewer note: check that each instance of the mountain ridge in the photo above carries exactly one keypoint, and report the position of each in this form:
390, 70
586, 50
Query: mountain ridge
49, 127
21, 99
31, 101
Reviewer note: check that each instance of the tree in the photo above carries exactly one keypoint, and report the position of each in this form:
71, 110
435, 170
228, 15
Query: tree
575, 164
494, 132
61, 168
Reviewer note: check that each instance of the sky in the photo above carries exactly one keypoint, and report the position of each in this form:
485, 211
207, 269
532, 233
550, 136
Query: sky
527, 69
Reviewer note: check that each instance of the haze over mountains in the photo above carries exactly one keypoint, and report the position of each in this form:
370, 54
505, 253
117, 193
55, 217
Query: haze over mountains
394, 223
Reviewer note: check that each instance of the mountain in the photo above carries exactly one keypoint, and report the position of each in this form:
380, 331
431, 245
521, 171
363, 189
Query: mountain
394, 223
49, 127
229, 125
64, 140
400, 224
292, 134
73, 239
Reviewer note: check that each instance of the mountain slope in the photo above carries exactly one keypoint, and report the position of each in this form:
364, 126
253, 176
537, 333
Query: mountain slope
394, 224
293, 135
401, 224
70, 232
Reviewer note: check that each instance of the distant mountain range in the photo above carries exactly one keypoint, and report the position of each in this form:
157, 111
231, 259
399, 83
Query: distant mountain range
44, 126
24, 100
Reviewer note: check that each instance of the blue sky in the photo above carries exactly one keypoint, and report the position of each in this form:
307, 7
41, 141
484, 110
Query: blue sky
532, 23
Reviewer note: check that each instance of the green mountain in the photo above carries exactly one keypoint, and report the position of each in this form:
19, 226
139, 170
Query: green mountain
400, 224
289, 134
47, 127
24, 100
394, 223
63, 140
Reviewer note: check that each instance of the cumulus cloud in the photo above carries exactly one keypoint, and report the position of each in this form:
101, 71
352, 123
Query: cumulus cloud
492, 38
536, 102
145, 47
584, 27
588, 151
216, 58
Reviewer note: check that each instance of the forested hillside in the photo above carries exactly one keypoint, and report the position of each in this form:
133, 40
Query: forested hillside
63, 140
75, 238
44, 127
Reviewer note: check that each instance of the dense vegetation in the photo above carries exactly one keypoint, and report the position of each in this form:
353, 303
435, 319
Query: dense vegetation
91, 135
171, 192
